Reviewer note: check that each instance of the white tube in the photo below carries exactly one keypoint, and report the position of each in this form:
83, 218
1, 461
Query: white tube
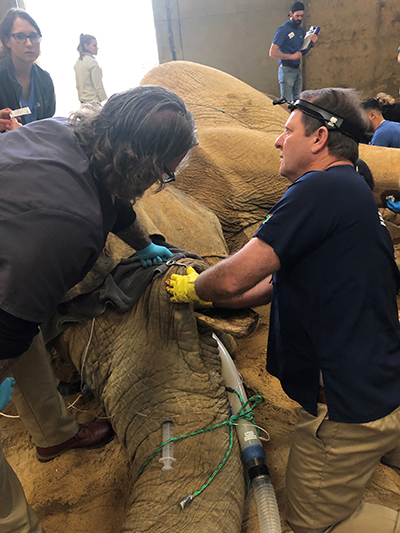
267, 507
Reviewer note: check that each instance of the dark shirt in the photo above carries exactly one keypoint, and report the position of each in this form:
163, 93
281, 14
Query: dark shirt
391, 112
54, 218
10, 90
289, 38
334, 305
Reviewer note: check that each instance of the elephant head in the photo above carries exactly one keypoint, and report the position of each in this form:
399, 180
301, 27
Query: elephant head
235, 169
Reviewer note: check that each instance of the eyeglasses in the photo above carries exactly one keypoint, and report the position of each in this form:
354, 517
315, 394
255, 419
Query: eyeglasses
21, 37
171, 175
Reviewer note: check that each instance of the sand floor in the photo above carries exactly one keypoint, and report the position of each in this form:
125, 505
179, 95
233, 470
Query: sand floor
85, 491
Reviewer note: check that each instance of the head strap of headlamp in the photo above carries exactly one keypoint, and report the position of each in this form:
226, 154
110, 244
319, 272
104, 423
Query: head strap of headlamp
331, 121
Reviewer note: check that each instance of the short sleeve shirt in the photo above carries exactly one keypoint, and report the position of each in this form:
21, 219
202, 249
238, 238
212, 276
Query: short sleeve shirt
289, 38
54, 217
334, 306
387, 134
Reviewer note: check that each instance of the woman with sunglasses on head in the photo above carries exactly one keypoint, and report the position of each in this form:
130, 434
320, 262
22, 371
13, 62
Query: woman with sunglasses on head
22, 82
89, 76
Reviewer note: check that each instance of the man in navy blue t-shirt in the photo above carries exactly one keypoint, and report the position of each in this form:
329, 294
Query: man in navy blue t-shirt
325, 260
286, 46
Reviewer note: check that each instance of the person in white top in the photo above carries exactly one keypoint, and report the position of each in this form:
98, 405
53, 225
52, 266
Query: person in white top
89, 76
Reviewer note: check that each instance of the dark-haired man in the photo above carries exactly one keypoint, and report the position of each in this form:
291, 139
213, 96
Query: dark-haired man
64, 185
386, 132
286, 46
326, 263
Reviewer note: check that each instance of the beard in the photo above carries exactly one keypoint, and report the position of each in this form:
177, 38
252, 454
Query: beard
298, 22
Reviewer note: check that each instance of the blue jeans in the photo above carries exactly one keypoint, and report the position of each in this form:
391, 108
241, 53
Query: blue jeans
291, 82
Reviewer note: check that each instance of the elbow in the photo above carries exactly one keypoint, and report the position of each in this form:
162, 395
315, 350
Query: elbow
274, 51
231, 288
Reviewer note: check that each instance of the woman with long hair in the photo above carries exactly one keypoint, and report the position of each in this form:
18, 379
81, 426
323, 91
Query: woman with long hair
22, 82
89, 76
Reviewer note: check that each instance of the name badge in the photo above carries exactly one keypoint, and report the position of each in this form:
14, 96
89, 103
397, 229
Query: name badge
291, 35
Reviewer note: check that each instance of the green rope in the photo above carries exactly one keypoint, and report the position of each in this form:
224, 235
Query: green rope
245, 412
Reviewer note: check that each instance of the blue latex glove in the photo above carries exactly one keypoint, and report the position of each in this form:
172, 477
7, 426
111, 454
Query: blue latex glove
153, 255
393, 206
6, 389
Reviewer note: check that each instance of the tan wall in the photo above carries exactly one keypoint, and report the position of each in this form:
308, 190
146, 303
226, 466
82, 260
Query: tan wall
357, 46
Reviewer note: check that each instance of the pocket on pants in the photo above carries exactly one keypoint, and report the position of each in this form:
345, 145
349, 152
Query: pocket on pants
315, 425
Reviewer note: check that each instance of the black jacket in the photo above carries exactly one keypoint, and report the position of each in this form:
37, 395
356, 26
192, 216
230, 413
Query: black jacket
10, 90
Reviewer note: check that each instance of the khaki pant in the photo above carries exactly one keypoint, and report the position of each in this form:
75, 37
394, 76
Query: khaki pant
15, 514
44, 414
39, 404
329, 466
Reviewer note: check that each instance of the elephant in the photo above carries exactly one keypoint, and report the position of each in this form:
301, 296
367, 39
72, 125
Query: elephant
235, 169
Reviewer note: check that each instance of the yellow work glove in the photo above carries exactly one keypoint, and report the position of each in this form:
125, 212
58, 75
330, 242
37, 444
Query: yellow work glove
181, 288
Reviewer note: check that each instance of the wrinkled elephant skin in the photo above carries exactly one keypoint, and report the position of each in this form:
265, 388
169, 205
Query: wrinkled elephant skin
152, 365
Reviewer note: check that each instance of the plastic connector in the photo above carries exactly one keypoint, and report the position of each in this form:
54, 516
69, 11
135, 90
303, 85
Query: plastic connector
186, 501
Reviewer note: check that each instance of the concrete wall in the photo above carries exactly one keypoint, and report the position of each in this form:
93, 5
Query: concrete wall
6, 4
357, 45
231, 35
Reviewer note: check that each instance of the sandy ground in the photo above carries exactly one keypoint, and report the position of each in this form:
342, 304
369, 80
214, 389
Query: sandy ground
85, 491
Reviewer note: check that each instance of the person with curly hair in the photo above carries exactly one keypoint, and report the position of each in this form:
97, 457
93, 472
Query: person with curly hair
65, 184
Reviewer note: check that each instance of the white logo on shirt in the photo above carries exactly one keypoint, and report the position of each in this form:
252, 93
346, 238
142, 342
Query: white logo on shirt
381, 219
291, 35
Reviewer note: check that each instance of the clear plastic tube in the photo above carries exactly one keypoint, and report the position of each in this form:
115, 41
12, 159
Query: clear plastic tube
251, 446
267, 507
168, 450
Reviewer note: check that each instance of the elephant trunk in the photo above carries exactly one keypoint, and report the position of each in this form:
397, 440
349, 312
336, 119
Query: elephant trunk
150, 365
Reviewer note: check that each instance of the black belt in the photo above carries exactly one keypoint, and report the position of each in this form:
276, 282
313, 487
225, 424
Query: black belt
290, 66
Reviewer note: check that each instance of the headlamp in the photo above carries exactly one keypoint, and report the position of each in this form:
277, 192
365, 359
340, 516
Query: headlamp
331, 121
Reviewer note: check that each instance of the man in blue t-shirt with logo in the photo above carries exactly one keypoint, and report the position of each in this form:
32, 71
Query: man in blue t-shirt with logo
324, 259
286, 47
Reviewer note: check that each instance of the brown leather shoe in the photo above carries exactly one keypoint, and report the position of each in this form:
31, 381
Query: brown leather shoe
92, 435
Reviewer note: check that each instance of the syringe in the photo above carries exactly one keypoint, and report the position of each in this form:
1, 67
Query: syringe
168, 450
